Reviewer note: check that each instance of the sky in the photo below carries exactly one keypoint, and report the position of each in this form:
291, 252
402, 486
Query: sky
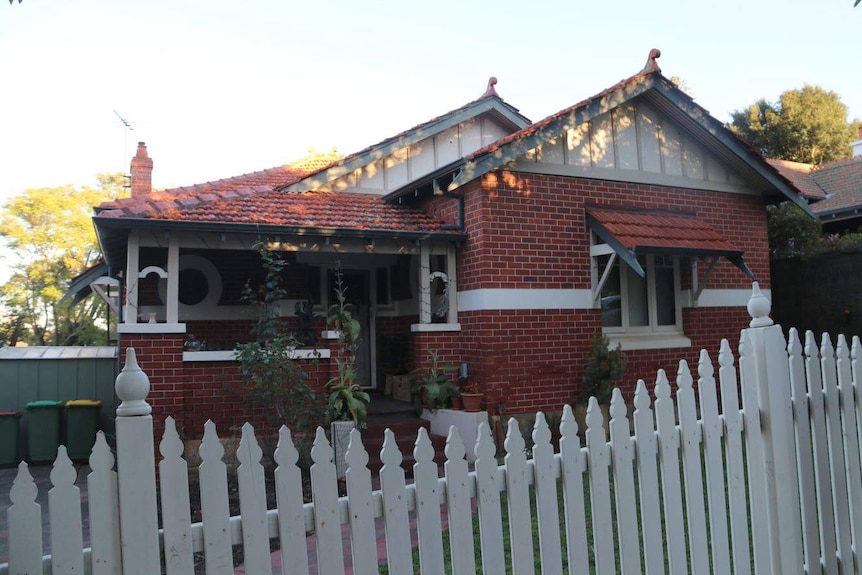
218, 88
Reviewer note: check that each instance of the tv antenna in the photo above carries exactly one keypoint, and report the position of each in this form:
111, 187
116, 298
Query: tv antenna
128, 128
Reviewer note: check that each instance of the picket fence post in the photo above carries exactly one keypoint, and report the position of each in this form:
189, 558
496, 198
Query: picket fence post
772, 378
136, 471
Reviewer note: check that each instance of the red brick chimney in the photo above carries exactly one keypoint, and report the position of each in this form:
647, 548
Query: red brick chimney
142, 172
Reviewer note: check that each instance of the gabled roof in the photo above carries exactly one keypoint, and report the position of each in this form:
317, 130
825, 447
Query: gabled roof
201, 202
842, 182
662, 94
489, 102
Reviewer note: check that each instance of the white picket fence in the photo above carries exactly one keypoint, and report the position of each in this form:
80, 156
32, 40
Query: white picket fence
693, 483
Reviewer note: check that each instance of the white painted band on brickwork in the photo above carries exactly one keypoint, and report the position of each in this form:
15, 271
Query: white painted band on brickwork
230, 355
151, 328
728, 297
517, 299
527, 299
430, 327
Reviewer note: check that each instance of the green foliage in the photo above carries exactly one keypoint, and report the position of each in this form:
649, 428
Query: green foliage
792, 232
271, 377
346, 401
807, 125
50, 230
604, 367
434, 390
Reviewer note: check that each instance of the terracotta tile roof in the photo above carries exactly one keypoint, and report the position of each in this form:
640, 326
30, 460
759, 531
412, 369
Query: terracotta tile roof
646, 231
799, 175
339, 210
163, 200
842, 181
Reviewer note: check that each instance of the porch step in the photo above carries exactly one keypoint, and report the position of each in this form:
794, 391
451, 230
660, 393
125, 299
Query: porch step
405, 426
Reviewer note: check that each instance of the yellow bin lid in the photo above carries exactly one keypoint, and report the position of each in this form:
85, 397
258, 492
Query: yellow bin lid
83, 402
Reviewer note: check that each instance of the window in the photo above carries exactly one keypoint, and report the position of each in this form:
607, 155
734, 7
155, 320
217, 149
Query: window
632, 304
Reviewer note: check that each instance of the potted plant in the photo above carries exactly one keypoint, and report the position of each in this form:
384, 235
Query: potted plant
347, 406
434, 390
471, 396
457, 402
605, 366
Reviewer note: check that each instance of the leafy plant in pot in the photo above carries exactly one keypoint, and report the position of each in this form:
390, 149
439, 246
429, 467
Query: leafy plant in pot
347, 401
434, 390
604, 367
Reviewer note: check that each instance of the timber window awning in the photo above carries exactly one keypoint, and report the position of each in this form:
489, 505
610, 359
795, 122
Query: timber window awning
631, 233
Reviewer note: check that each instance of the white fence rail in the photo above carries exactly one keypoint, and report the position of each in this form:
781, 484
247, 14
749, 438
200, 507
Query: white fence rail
693, 482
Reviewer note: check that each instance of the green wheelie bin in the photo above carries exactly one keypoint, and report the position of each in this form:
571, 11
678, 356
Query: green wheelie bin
9, 437
82, 423
43, 430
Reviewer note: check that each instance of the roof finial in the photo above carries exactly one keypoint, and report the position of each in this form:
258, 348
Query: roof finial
651, 64
490, 91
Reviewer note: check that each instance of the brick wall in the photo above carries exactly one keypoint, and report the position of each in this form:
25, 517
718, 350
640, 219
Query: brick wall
192, 392
529, 231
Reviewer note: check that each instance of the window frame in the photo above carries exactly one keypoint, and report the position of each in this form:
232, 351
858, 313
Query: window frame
601, 249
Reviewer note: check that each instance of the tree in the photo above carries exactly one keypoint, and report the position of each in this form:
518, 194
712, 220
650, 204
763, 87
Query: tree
792, 232
807, 125
51, 232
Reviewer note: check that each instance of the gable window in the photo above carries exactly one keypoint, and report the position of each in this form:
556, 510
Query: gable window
634, 304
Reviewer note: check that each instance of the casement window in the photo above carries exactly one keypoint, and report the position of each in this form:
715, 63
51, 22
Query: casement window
634, 304
636, 261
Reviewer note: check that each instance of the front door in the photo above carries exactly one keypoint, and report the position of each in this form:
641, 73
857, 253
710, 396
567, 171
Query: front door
357, 292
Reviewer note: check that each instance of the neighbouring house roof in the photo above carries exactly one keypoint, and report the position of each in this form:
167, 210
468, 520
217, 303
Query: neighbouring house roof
800, 174
635, 232
662, 94
842, 182
835, 189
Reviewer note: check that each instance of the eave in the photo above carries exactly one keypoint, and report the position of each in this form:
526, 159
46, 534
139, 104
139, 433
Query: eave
113, 231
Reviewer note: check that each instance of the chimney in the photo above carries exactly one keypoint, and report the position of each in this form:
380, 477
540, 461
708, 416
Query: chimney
142, 172
857, 145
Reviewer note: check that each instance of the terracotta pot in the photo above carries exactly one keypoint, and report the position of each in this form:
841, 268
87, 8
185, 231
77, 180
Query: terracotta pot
456, 402
472, 401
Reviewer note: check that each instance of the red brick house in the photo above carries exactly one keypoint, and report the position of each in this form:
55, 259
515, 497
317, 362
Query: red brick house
500, 243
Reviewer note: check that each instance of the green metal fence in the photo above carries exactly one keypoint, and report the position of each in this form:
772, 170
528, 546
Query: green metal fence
30, 374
